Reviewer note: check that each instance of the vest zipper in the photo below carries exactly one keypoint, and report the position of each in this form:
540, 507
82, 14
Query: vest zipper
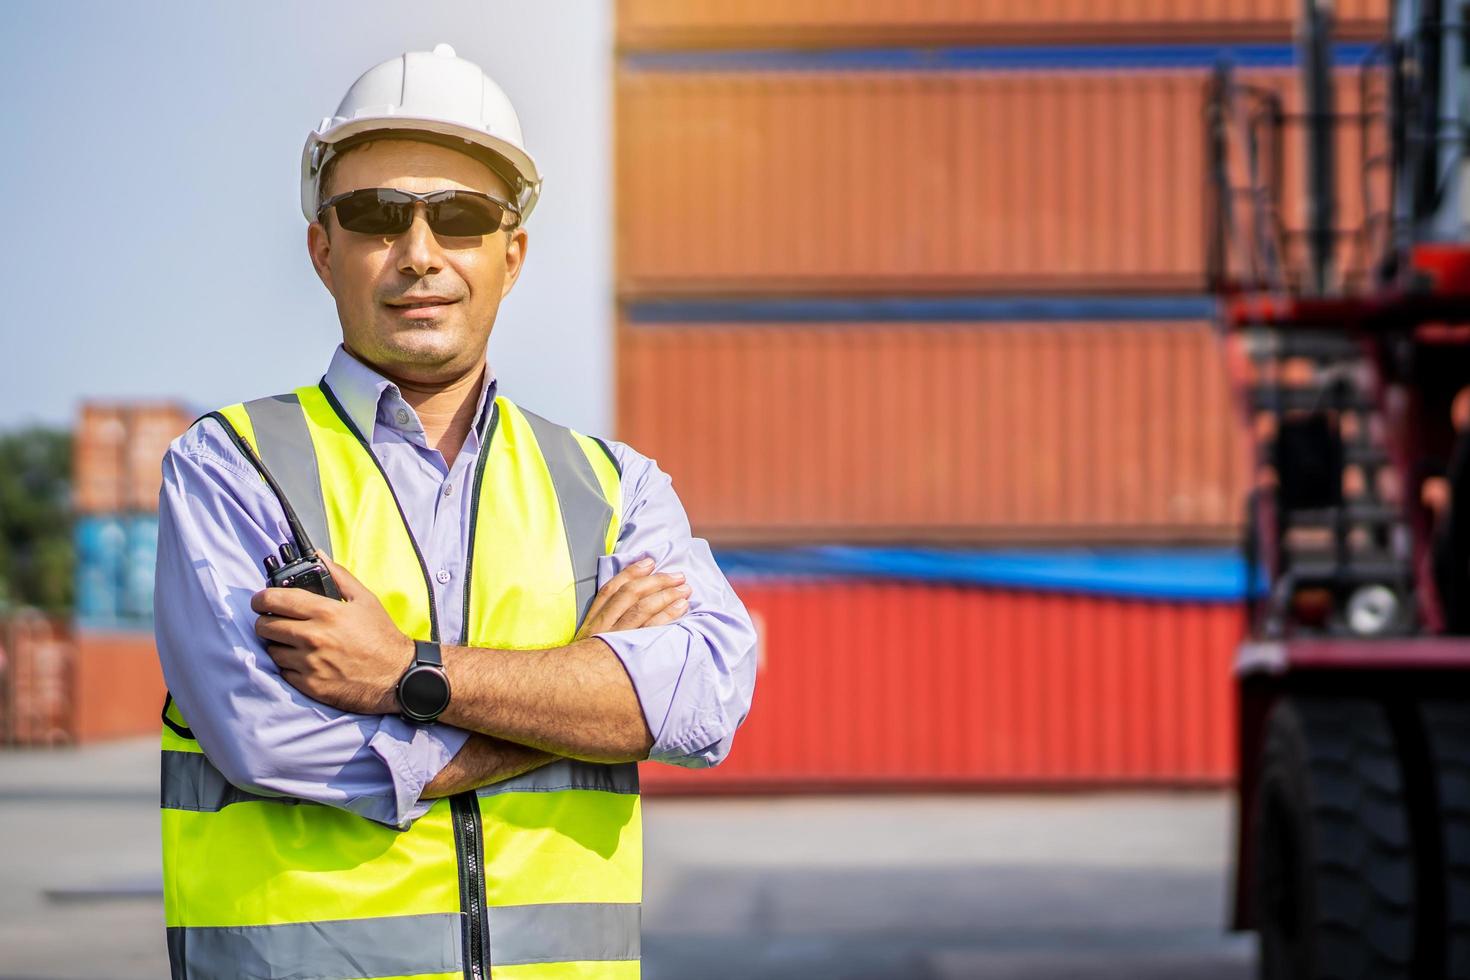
464, 807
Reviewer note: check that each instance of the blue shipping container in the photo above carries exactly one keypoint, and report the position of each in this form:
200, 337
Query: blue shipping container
139, 559
115, 556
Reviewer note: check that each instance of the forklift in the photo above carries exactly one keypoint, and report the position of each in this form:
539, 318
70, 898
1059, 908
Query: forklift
1338, 247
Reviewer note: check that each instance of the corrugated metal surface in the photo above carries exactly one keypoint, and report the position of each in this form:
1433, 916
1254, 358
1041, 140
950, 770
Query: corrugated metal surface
913, 182
151, 427
118, 452
709, 23
938, 432
875, 684
35, 681
60, 685
118, 685
115, 558
99, 475
100, 546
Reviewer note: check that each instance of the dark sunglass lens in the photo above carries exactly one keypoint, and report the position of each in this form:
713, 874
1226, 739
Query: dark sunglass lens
467, 216
367, 213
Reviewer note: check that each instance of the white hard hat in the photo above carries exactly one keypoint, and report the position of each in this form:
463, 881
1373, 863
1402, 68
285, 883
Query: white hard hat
432, 95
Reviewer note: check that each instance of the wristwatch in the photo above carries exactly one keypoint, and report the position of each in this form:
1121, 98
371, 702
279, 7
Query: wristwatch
423, 690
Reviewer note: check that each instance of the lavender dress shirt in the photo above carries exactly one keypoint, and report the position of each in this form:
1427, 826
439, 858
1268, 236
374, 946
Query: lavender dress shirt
217, 520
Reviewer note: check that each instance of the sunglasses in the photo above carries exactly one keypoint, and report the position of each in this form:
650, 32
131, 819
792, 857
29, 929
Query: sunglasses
389, 211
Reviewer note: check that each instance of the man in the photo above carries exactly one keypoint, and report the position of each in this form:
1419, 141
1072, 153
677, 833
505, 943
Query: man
436, 776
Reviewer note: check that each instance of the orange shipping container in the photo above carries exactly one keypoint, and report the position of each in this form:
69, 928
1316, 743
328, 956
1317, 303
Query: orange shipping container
939, 431
99, 471
867, 684
119, 687
151, 427
751, 182
655, 24
118, 452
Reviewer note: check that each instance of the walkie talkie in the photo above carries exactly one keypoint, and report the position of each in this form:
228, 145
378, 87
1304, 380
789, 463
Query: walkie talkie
300, 565
295, 571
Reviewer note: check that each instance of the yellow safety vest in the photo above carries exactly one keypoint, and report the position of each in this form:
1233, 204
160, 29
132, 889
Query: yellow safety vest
535, 877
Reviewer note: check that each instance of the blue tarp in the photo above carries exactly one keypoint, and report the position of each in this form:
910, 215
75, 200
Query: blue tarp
1183, 574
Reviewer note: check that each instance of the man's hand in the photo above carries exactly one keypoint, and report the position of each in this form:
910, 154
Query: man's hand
634, 598
346, 654
351, 654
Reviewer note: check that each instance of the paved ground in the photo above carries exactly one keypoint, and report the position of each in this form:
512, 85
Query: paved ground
859, 888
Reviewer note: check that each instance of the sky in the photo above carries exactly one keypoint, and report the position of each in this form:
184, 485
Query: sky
151, 158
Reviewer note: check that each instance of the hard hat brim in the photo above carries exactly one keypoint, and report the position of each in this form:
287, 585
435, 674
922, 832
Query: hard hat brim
519, 160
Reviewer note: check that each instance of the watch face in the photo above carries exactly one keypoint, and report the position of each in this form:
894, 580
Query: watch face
423, 692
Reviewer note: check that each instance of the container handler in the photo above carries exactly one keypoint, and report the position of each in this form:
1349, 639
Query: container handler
1339, 250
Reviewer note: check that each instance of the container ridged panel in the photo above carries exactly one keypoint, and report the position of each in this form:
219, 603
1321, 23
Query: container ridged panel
939, 432
898, 182
117, 455
656, 24
867, 684
36, 681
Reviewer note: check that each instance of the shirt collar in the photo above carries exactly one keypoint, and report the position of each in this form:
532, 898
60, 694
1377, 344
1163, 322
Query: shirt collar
369, 398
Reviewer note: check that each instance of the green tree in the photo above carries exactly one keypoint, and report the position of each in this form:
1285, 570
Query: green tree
35, 519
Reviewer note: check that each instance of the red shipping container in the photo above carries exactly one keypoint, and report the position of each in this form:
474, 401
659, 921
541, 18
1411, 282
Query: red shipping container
884, 685
943, 432
904, 182
35, 681
659, 24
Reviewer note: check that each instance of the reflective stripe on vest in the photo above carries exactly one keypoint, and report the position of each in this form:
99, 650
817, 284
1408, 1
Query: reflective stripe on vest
266, 886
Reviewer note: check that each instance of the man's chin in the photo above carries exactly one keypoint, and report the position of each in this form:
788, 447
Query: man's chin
421, 341
421, 349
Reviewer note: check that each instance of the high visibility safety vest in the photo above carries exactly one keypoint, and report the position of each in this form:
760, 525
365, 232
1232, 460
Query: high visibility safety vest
535, 877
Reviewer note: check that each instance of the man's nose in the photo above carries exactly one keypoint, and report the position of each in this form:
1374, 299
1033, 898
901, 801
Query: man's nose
418, 249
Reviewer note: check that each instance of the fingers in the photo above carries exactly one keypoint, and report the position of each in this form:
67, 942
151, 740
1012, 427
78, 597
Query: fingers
669, 613
281, 629
289, 660
637, 570
640, 612
293, 603
634, 593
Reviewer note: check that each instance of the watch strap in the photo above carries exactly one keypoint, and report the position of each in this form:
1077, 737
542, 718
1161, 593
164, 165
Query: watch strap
427, 652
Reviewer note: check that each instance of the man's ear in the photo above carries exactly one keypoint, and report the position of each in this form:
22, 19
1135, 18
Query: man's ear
515, 259
319, 250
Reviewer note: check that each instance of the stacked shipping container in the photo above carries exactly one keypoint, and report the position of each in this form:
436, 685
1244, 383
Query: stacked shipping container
705, 24
933, 271
36, 681
116, 474
115, 683
956, 432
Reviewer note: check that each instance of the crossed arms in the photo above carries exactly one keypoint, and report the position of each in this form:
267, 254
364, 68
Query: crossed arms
672, 687
525, 707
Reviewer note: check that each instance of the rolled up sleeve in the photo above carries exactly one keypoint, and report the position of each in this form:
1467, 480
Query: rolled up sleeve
217, 519
695, 677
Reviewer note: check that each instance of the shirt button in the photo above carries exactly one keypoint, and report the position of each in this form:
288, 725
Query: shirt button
443, 576
402, 416
448, 489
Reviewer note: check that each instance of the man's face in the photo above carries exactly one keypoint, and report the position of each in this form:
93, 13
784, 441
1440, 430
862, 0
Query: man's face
373, 278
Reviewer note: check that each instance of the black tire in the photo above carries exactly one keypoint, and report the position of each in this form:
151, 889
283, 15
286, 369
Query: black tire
1447, 737
1335, 885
